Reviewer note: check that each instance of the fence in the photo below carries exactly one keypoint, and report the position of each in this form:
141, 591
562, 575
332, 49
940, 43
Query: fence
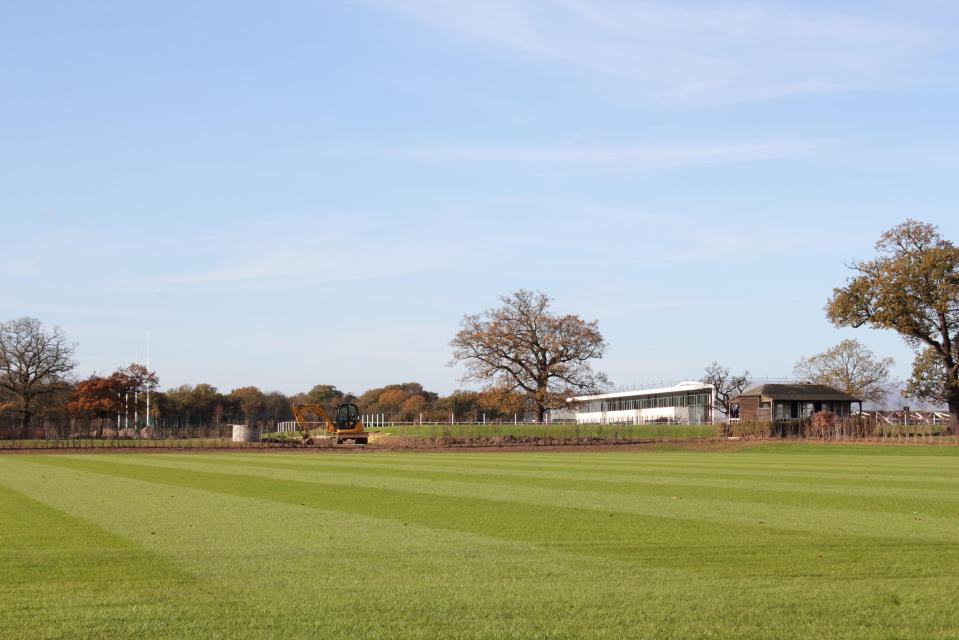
415, 434
202, 437
861, 427
397, 434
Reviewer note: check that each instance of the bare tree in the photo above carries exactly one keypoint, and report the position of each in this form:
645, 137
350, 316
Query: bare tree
726, 386
34, 363
522, 346
851, 367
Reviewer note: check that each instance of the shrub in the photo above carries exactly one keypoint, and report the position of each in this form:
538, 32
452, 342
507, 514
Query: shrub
751, 429
822, 425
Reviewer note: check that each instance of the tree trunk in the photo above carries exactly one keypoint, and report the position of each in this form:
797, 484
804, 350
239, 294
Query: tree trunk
27, 417
953, 399
540, 413
952, 395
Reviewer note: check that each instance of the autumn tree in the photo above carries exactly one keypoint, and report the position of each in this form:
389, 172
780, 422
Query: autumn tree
96, 398
522, 346
180, 403
138, 378
198, 405
401, 402
726, 385
412, 408
325, 394
500, 404
911, 287
254, 406
207, 402
160, 406
35, 363
136, 381
276, 407
850, 367
99, 397
251, 402
925, 383
462, 405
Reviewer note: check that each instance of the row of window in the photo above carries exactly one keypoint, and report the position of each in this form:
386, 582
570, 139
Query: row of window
801, 410
646, 402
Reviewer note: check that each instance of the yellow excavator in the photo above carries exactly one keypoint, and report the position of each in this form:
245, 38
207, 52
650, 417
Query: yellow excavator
345, 425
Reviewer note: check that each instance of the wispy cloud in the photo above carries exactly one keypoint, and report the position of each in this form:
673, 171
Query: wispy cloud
696, 52
603, 158
300, 263
20, 267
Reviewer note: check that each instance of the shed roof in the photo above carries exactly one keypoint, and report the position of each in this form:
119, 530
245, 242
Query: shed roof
803, 391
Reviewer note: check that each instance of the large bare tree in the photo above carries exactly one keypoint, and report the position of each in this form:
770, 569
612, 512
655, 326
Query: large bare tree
851, 367
912, 287
34, 363
522, 346
726, 385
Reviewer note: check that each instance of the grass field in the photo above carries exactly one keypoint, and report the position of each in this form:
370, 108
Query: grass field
776, 541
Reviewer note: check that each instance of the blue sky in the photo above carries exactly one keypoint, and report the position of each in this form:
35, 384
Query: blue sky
286, 194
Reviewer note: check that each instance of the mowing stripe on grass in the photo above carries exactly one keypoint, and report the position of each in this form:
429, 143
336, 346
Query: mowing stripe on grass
91, 572
401, 545
551, 525
929, 496
748, 505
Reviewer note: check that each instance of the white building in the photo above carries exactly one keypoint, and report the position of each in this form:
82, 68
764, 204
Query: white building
685, 403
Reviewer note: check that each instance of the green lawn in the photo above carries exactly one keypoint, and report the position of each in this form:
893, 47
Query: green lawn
779, 541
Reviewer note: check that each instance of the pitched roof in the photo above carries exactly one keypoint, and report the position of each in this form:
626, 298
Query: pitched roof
803, 391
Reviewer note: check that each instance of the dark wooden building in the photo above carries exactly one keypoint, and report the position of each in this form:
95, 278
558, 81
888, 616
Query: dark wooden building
770, 402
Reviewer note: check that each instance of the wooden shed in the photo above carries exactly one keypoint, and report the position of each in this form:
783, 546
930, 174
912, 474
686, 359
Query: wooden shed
771, 402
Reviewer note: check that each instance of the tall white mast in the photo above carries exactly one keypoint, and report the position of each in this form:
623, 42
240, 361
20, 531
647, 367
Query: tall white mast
148, 385
136, 405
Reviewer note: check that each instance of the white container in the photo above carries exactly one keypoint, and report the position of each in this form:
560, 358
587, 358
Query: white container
245, 433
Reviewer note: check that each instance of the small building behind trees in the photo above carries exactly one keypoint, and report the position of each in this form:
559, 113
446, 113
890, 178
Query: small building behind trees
774, 402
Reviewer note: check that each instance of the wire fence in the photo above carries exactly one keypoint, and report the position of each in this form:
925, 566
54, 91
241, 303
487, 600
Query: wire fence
863, 428
399, 434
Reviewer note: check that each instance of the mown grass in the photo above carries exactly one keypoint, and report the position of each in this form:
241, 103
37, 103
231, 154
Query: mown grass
778, 541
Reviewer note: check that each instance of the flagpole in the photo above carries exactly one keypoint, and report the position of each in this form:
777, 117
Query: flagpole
148, 383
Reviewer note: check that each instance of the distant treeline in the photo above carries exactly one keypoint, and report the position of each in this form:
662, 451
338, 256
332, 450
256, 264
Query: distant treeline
104, 402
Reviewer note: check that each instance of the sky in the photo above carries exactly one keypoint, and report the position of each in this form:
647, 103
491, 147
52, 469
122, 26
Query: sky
295, 193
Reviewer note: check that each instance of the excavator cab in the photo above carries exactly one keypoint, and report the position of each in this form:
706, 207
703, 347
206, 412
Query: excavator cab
347, 423
346, 417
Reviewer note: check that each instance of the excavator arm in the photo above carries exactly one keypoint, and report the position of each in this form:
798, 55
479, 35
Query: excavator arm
301, 410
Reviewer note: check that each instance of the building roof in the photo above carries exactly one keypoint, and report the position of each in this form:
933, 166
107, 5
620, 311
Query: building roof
803, 391
682, 386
